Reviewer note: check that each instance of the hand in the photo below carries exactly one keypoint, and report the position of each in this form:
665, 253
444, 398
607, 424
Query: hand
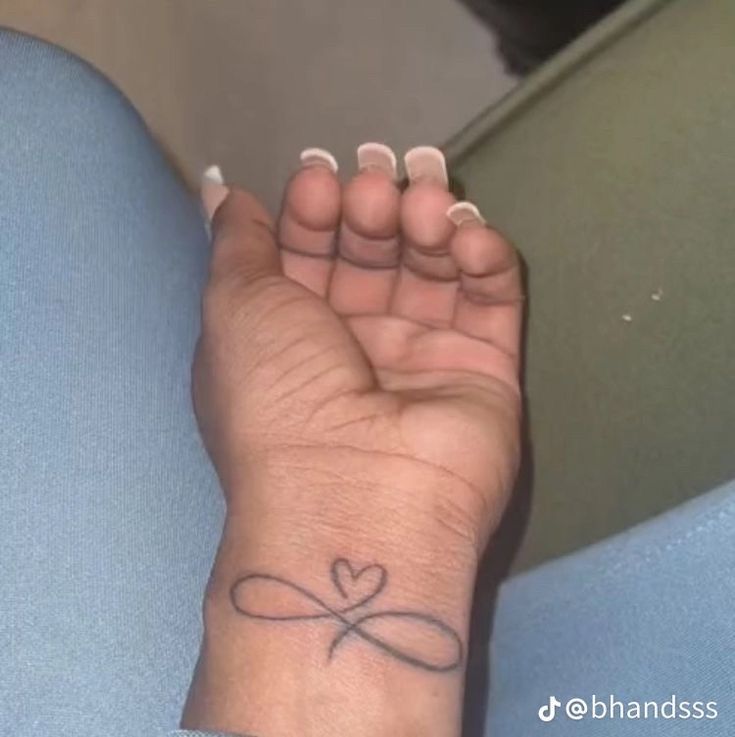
395, 361
356, 385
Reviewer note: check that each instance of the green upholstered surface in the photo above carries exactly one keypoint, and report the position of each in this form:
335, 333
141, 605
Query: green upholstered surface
613, 170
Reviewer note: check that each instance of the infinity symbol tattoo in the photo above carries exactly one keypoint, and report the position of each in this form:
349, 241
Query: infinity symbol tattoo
389, 631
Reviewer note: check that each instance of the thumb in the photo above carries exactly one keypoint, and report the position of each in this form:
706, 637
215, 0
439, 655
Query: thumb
243, 235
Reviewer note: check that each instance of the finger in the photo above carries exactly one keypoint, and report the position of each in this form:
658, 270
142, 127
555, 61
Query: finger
489, 302
310, 216
427, 282
243, 240
369, 249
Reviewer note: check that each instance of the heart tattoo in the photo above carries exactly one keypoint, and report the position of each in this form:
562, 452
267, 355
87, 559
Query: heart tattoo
358, 586
414, 638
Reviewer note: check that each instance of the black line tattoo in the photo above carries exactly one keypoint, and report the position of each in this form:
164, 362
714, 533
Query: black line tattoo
356, 588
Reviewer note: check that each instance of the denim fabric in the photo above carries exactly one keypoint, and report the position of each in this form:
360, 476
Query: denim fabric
110, 512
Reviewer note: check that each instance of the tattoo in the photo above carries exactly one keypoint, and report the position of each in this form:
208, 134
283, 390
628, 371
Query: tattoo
411, 637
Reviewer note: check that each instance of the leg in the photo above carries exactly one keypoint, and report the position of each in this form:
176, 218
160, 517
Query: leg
641, 617
109, 512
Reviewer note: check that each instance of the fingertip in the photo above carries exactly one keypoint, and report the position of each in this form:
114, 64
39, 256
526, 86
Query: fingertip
240, 208
479, 250
243, 239
313, 198
372, 204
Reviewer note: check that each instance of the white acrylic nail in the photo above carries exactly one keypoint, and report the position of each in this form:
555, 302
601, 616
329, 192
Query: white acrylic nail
318, 157
213, 174
465, 213
379, 157
213, 190
427, 163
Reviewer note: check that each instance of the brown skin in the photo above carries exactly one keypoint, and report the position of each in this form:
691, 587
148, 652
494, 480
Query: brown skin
372, 416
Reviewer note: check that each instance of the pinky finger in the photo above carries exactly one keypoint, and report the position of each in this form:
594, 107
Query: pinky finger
490, 300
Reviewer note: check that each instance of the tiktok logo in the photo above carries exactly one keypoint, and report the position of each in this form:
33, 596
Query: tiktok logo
548, 711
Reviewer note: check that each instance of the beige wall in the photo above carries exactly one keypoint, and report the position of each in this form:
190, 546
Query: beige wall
248, 83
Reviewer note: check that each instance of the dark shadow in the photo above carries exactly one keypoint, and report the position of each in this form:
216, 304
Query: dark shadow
494, 568
531, 31
457, 188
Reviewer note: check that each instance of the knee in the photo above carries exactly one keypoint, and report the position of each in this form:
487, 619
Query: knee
59, 116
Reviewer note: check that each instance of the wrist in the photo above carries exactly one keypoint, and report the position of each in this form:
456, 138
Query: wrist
366, 610
424, 555
284, 653
321, 497
327, 560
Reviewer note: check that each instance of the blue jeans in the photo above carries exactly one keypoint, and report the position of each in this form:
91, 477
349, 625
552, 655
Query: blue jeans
110, 511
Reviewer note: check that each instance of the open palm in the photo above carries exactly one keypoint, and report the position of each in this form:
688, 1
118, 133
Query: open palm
371, 321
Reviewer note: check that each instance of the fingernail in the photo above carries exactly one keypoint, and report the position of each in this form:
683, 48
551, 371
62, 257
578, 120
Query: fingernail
213, 190
318, 157
214, 174
377, 157
465, 213
426, 163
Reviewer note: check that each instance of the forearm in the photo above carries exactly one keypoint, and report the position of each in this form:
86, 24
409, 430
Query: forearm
335, 623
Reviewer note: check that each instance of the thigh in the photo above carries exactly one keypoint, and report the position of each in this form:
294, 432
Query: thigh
110, 512
643, 617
